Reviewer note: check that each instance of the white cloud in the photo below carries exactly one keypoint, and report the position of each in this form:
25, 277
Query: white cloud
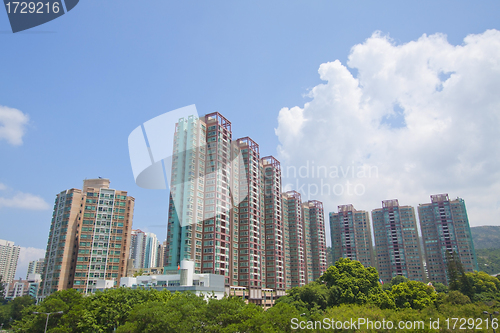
12, 125
26, 255
425, 115
2, 187
24, 201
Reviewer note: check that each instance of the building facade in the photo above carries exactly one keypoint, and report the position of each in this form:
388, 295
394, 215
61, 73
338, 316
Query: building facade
446, 231
351, 235
137, 247
204, 188
397, 242
275, 276
9, 255
19, 288
36, 267
89, 237
292, 203
227, 213
317, 237
151, 253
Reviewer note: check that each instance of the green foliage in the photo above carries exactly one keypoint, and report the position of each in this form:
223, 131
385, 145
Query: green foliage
346, 290
100, 312
478, 286
413, 294
399, 279
455, 270
308, 298
2, 290
440, 288
5, 314
350, 283
18, 304
189, 313
373, 313
183, 313
488, 260
457, 298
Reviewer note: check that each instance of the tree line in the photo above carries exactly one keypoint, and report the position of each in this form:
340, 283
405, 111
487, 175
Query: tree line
346, 291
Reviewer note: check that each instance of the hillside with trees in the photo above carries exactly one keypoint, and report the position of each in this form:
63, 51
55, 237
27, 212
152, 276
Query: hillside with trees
486, 237
488, 260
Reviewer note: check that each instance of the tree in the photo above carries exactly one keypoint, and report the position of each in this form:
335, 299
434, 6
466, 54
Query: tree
455, 270
350, 282
222, 313
457, 298
183, 313
311, 296
440, 288
2, 291
18, 304
412, 294
278, 318
398, 279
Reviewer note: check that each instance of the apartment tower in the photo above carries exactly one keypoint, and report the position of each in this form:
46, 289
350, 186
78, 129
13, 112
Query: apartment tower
251, 220
204, 192
89, 237
397, 243
317, 238
36, 267
137, 247
446, 231
296, 237
275, 277
351, 235
9, 254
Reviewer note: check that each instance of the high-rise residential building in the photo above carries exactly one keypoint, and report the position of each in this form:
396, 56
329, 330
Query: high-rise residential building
137, 247
275, 276
306, 232
187, 183
204, 193
251, 220
286, 241
227, 213
36, 267
397, 243
143, 249
446, 232
9, 254
351, 235
315, 234
293, 205
89, 237
151, 253
160, 260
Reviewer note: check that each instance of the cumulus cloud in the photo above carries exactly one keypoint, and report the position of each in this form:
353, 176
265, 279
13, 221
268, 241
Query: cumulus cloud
417, 119
27, 254
22, 200
12, 125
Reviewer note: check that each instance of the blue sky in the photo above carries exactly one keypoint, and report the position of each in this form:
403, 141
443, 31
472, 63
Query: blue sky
87, 79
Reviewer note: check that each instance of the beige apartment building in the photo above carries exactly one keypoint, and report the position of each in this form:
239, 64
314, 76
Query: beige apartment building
88, 239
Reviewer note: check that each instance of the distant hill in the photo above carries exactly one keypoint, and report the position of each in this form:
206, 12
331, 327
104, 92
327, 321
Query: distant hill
486, 237
488, 260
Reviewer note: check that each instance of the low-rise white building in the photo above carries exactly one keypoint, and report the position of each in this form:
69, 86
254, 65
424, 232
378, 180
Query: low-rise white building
209, 285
